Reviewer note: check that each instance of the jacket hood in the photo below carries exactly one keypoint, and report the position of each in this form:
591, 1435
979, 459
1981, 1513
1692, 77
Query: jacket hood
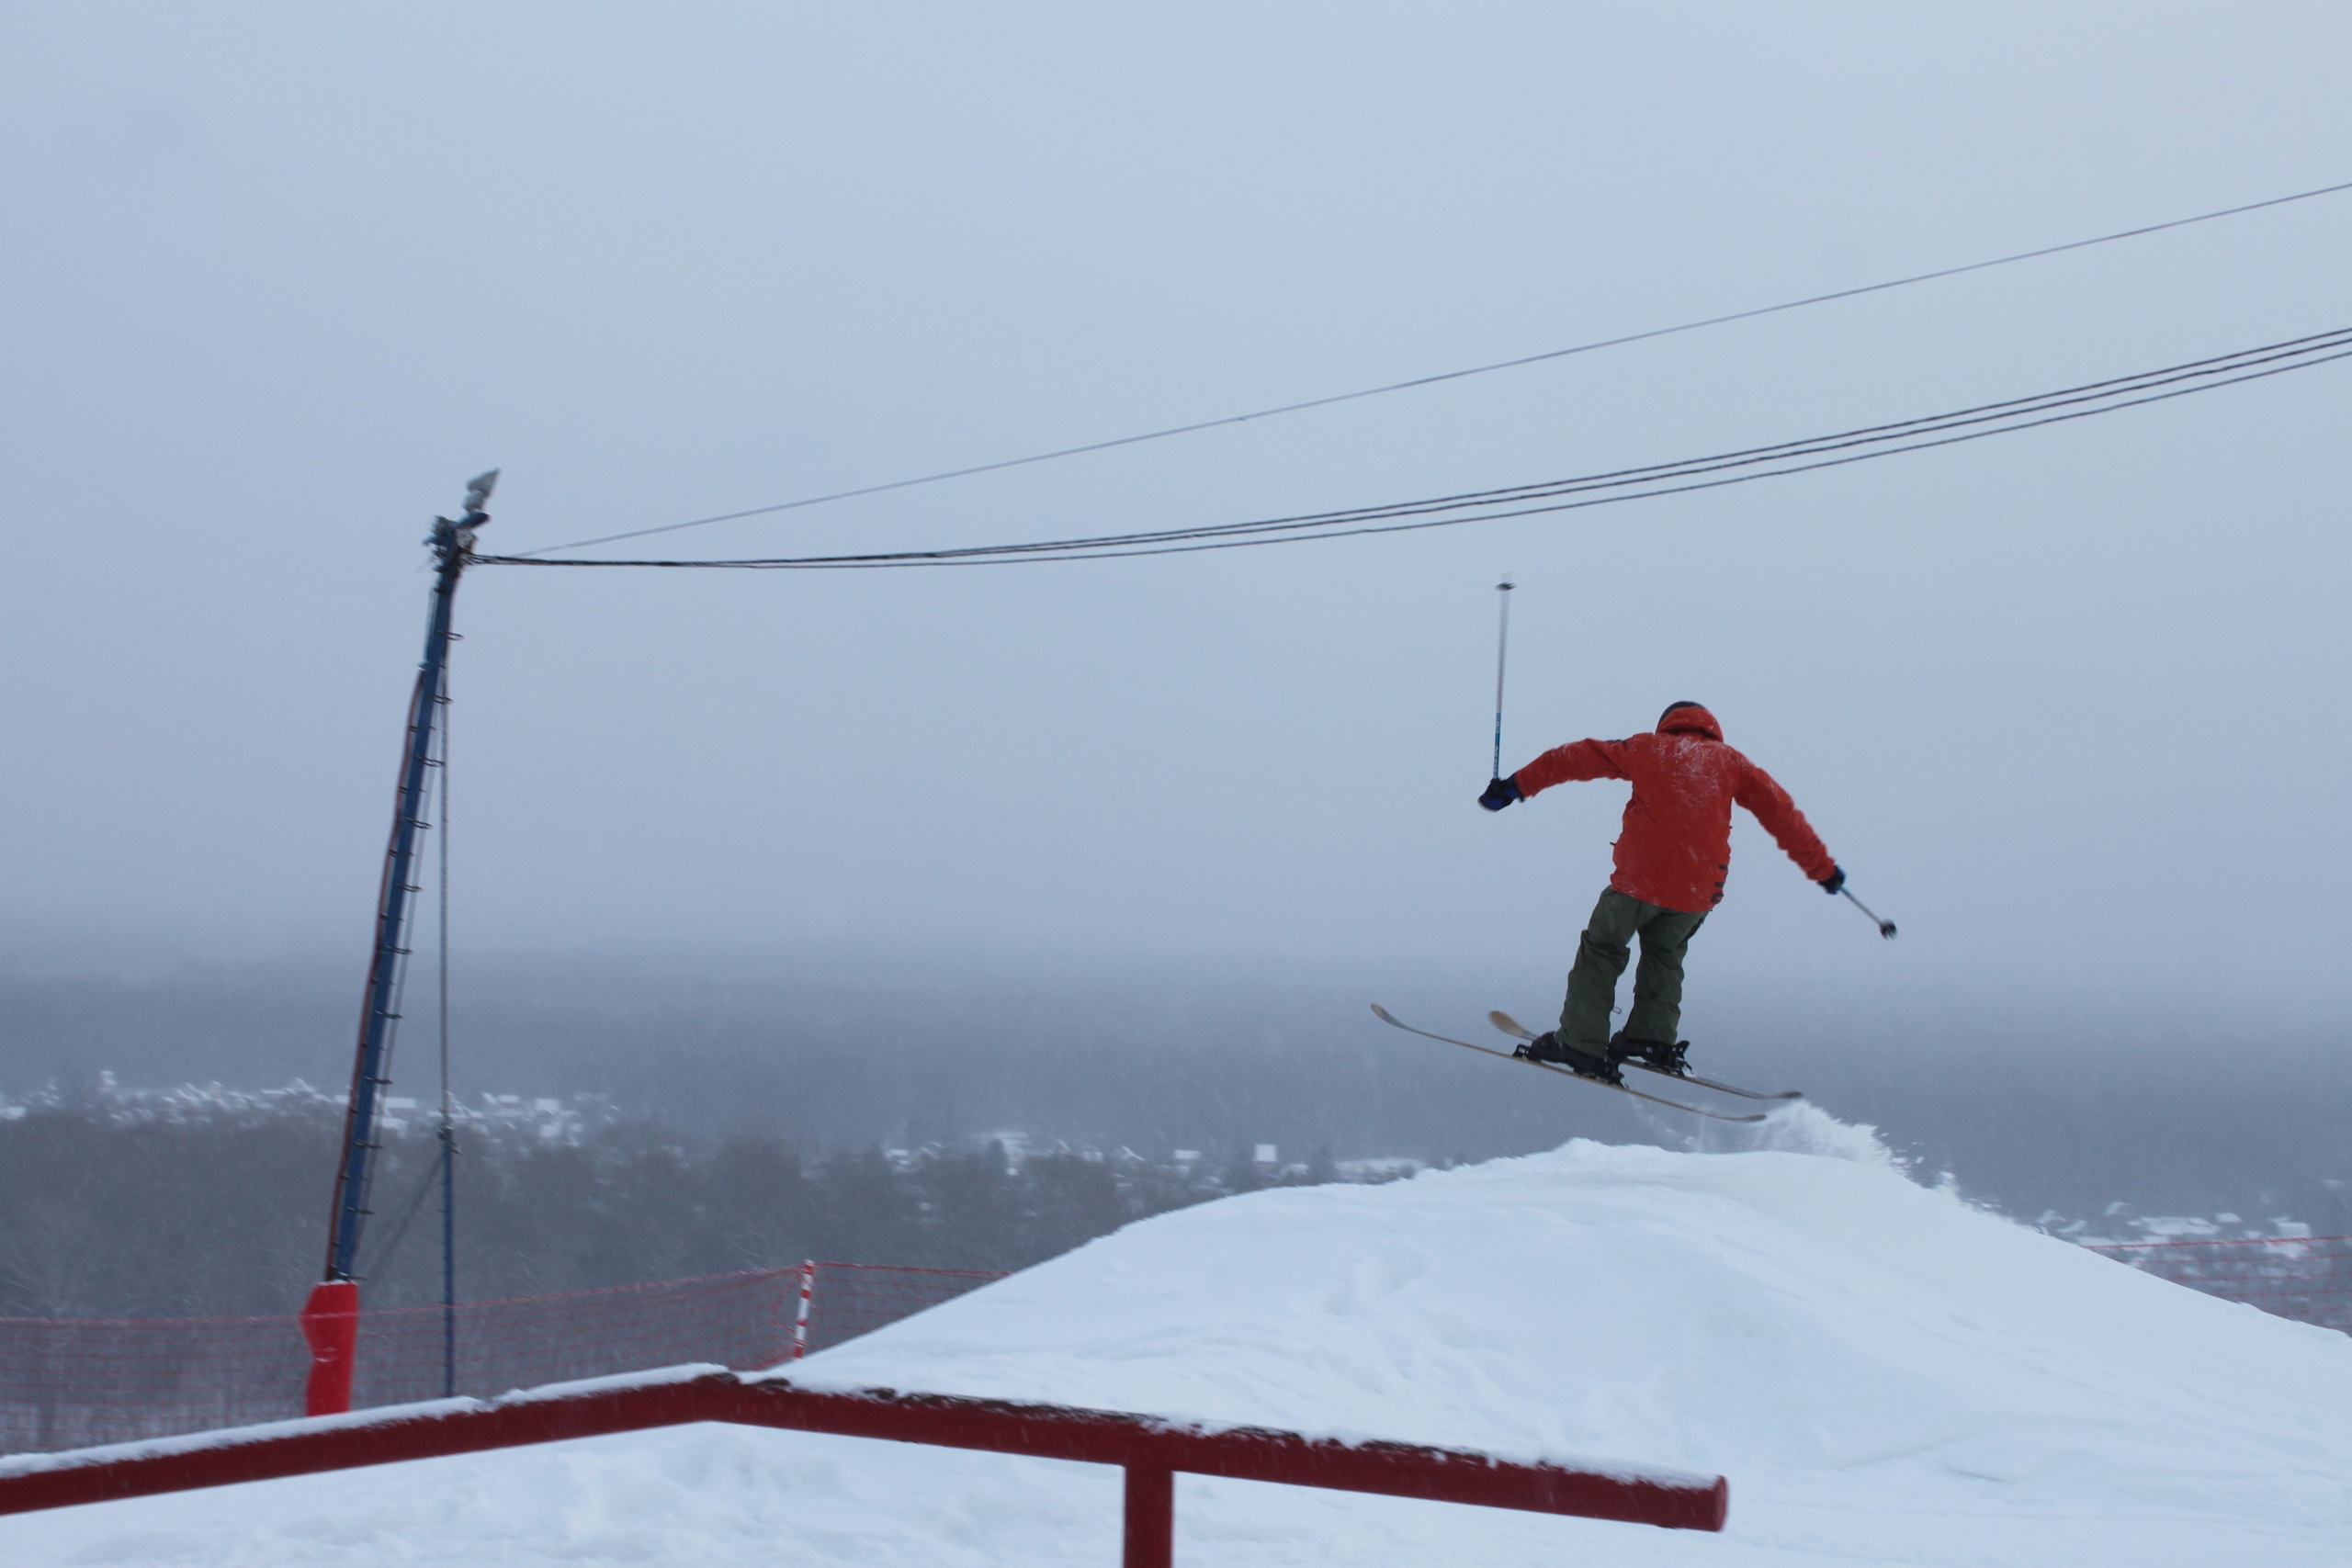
1691, 719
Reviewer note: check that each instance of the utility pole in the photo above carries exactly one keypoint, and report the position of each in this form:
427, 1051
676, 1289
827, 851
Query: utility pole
331, 1316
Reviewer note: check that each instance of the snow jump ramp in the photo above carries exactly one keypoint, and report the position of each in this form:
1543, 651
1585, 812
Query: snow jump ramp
1888, 1375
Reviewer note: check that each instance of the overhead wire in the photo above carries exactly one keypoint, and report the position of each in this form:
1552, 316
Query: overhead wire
1712, 471
1444, 375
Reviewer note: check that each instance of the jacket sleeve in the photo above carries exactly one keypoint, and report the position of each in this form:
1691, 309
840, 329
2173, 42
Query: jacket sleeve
1577, 761
1770, 803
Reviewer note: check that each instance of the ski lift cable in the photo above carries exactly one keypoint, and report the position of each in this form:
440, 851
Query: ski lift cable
1673, 489
379, 1257
2006, 409
2012, 409
1636, 484
1329, 525
1445, 376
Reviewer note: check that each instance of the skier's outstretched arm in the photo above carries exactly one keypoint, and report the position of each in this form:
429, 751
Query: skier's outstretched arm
1575, 763
1578, 759
1771, 804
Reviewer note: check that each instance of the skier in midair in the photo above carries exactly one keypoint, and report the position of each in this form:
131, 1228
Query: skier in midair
1671, 861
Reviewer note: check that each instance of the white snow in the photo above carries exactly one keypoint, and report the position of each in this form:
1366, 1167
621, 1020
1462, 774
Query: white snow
1886, 1375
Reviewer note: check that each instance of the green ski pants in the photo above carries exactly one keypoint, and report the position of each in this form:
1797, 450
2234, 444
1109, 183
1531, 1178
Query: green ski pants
1602, 956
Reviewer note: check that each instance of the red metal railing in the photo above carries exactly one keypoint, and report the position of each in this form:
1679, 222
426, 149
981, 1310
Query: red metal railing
1151, 1449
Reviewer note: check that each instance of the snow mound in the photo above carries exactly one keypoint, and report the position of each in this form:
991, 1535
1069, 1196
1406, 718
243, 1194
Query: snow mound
1738, 1313
1884, 1373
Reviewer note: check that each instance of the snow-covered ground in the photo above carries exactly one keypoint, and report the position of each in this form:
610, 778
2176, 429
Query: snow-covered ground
1886, 1375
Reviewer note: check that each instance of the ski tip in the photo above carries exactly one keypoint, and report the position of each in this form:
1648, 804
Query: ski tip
1510, 1025
1384, 1014
1743, 1093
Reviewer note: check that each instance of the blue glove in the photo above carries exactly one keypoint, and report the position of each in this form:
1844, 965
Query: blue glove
1834, 882
1500, 793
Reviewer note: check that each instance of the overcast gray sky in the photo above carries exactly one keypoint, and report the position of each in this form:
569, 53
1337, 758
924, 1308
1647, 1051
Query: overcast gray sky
2069, 704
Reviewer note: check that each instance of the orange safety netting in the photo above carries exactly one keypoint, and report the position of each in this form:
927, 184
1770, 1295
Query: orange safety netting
2308, 1279
75, 1382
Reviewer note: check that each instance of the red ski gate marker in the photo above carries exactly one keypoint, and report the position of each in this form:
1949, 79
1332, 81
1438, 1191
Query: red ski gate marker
1151, 1449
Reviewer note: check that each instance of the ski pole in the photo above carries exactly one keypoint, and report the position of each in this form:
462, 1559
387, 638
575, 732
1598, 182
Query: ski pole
1502, 650
1885, 928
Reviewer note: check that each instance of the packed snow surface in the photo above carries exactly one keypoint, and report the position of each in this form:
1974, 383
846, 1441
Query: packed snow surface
1886, 1375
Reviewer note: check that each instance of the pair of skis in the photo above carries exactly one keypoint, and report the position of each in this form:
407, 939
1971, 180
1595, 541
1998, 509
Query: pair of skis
1512, 1027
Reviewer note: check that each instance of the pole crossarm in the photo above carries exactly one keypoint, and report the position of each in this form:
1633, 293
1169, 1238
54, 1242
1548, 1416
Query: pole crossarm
1147, 1446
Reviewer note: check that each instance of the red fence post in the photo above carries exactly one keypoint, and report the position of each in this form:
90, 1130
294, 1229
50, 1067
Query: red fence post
1151, 1518
331, 1323
800, 1323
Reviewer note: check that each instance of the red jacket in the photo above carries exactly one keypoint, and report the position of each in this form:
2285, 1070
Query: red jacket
1675, 848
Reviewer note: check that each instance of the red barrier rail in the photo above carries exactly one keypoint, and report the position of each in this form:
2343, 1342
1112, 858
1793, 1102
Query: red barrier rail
1150, 1448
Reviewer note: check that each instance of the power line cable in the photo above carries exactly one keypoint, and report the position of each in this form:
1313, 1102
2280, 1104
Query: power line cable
1904, 436
388, 1248
2010, 409
1445, 376
1709, 472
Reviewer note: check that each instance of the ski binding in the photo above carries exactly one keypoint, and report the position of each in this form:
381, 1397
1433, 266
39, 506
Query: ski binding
1390, 1017
1519, 1031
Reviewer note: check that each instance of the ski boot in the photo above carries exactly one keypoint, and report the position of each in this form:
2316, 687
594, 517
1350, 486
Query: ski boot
1656, 1054
1548, 1048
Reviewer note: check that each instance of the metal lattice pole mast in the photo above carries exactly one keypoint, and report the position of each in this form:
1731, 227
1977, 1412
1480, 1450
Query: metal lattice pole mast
452, 544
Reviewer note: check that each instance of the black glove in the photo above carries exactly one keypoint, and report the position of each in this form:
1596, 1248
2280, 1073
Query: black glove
1834, 882
1500, 793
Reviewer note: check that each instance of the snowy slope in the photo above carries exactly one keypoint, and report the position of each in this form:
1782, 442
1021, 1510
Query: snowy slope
1885, 1375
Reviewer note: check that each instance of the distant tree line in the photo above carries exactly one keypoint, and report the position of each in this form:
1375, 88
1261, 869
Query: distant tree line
228, 1217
